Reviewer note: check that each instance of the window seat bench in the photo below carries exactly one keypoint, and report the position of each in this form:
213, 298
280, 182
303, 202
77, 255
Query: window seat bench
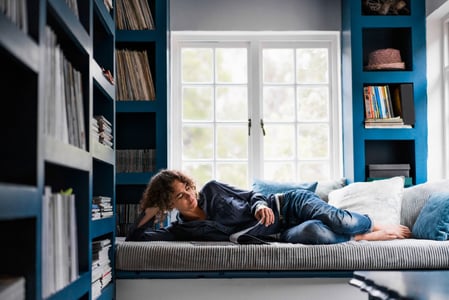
225, 259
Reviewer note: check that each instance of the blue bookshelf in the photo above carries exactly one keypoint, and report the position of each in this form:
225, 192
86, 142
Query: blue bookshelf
142, 123
35, 159
363, 33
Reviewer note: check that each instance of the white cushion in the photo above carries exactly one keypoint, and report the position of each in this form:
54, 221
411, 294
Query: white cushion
380, 199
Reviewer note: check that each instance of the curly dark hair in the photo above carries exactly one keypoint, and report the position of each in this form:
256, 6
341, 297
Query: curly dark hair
159, 190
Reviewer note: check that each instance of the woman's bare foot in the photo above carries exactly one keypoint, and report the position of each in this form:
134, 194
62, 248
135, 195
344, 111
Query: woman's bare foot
385, 233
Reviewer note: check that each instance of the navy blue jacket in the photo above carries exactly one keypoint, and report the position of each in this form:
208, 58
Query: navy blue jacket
228, 210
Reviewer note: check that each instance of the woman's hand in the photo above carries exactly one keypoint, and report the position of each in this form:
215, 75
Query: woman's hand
150, 212
265, 215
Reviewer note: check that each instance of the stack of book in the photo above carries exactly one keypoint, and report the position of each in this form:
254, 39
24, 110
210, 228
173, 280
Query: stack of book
101, 266
59, 241
12, 288
102, 130
134, 79
133, 15
101, 207
395, 122
135, 160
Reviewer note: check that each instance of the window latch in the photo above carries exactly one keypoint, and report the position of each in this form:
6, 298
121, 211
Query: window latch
261, 126
249, 127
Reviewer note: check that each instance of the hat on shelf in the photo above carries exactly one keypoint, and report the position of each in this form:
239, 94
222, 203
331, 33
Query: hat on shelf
382, 59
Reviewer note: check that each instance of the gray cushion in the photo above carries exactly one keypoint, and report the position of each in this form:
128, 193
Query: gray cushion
415, 197
222, 256
324, 187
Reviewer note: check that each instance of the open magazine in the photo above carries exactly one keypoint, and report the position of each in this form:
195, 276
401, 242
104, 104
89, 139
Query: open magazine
242, 237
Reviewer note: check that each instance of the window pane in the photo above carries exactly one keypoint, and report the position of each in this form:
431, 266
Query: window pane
313, 141
278, 66
232, 142
312, 65
231, 65
279, 141
232, 103
197, 104
313, 171
233, 173
278, 104
313, 103
197, 142
200, 172
196, 65
279, 171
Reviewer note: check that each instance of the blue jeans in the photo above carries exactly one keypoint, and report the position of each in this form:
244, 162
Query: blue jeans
310, 220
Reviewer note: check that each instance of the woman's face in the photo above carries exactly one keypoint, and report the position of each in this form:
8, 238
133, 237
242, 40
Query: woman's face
183, 197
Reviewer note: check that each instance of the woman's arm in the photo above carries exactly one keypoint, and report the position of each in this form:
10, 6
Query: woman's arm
150, 212
142, 229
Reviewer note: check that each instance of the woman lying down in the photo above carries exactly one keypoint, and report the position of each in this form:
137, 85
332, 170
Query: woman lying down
220, 212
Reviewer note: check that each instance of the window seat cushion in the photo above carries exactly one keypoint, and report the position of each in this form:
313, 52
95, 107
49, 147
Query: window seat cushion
226, 256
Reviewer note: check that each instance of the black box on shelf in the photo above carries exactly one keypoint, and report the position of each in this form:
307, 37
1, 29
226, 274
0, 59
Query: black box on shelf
388, 170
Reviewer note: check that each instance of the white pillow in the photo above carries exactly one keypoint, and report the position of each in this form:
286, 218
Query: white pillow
380, 199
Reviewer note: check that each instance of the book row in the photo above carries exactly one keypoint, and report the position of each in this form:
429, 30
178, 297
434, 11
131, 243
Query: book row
134, 79
378, 102
388, 106
135, 160
63, 100
59, 241
133, 15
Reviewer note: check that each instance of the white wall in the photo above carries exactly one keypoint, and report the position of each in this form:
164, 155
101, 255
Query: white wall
238, 289
432, 5
438, 123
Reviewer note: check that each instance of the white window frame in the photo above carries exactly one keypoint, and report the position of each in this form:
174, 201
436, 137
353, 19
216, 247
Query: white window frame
329, 38
445, 104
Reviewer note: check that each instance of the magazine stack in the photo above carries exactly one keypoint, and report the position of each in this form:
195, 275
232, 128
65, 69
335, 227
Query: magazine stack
101, 266
102, 130
101, 207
